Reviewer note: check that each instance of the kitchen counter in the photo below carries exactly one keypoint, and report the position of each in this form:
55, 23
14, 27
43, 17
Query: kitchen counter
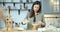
48, 30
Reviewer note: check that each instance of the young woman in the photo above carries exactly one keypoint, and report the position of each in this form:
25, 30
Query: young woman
35, 16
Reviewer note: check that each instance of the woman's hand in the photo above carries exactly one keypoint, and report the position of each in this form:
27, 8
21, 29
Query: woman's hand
24, 21
41, 24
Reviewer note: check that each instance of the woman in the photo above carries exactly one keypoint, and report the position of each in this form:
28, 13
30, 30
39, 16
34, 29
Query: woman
35, 16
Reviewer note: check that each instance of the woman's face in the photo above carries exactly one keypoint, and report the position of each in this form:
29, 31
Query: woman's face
36, 8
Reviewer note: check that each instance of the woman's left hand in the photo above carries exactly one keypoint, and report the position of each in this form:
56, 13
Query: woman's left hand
41, 24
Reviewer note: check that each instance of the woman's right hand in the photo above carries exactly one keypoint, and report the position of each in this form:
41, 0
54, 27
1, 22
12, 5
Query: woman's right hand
24, 21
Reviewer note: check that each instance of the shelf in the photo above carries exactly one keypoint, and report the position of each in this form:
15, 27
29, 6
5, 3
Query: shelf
18, 9
17, 2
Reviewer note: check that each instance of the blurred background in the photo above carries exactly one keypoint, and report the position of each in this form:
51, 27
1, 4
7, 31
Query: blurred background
19, 9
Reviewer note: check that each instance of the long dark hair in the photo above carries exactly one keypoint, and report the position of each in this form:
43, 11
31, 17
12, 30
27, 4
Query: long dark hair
32, 14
